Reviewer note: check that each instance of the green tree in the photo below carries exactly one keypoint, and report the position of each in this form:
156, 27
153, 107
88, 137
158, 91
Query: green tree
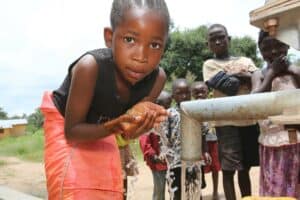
187, 50
3, 114
245, 46
35, 121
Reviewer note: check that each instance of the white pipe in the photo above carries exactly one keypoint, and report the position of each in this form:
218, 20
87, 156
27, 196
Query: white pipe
243, 107
192, 138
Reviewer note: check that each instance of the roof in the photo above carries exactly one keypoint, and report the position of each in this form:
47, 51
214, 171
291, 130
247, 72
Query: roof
11, 122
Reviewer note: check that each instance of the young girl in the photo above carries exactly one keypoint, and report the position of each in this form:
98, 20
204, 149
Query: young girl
82, 160
279, 157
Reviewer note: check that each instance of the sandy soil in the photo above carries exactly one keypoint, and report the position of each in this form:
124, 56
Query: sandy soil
29, 178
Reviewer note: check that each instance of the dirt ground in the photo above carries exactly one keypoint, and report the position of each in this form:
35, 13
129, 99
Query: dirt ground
29, 178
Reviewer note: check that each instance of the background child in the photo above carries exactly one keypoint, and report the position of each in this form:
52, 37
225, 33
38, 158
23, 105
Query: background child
237, 140
200, 91
171, 136
151, 148
279, 156
82, 159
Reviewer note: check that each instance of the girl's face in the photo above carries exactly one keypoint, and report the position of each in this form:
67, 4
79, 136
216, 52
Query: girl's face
138, 43
181, 92
271, 48
200, 91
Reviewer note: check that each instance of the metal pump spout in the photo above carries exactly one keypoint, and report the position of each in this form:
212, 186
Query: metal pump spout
244, 107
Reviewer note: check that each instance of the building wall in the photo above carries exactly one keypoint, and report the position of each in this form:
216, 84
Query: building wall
18, 130
4, 132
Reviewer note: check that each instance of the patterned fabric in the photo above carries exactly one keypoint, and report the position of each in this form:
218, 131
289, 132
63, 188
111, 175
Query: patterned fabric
280, 170
231, 65
274, 135
171, 137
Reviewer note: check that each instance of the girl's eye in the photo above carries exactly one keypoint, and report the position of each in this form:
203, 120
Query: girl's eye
155, 45
128, 39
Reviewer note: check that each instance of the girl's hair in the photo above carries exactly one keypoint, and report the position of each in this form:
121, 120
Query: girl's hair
261, 36
119, 7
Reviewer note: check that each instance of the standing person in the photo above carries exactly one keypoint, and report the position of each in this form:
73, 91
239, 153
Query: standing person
200, 91
82, 159
279, 154
171, 134
237, 140
151, 147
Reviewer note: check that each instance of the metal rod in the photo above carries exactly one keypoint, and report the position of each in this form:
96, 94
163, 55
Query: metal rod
243, 107
192, 138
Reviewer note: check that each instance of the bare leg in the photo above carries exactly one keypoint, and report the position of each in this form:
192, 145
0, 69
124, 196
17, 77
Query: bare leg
228, 185
244, 182
125, 189
215, 178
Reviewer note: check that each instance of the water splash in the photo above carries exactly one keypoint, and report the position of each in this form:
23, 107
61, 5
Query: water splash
191, 175
132, 164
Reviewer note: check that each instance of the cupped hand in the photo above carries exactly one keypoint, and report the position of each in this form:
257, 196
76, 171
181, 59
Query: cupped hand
115, 126
147, 114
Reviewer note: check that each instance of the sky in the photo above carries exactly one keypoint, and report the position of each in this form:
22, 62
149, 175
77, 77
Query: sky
41, 38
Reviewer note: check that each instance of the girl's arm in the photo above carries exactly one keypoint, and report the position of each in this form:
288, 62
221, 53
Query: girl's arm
295, 72
260, 83
83, 82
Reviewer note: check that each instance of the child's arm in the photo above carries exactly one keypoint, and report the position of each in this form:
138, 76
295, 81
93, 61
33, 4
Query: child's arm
260, 83
207, 157
84, 77
225, 83
295, 72
244, 77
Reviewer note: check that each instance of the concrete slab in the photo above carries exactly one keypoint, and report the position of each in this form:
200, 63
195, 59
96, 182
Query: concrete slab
11, 194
